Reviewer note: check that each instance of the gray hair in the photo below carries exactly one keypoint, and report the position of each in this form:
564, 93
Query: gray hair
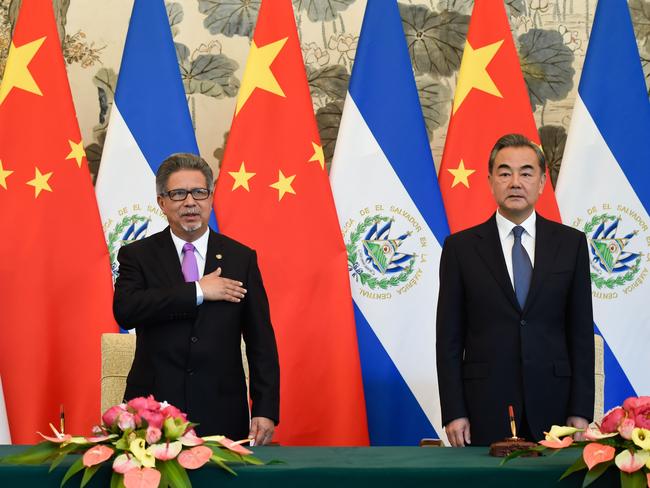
182, 161
516, 140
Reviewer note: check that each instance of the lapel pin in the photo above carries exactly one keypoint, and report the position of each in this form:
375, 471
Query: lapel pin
218, 256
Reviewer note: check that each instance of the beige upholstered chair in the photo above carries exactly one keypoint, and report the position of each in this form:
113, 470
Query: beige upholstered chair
117, 356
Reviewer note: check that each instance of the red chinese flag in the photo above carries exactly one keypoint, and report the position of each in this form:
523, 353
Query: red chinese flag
491, 100
273, 195
55, 280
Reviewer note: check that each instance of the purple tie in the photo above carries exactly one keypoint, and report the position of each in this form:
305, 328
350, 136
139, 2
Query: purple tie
189, 266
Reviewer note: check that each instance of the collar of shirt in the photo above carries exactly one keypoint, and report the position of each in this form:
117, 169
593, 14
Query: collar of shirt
200, 249
507, 238
505, 226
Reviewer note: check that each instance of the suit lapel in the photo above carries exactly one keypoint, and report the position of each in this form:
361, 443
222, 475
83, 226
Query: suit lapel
546, 248
215, 248
489, 248
169, 260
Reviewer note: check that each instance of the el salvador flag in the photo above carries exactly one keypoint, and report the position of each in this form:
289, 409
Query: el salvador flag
603, 189
390, 209
149, 121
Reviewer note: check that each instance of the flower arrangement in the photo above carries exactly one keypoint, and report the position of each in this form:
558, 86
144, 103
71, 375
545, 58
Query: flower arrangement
622, 439
149, 443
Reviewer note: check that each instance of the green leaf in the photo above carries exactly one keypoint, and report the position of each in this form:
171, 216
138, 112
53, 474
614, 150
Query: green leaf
219, 462
117, 480
175, 474
596, 472
577, 466
64, 452
88, 474
77, 466
275, 461
435, 40
122, 444
521, 452
37, 454
634, 480
230, 18
225, 454
253, 460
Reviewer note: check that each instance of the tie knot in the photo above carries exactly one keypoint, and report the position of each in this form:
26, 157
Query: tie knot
188, 247
517, 230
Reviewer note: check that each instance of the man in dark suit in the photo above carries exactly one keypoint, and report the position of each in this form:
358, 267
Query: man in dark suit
514, 323
191, 294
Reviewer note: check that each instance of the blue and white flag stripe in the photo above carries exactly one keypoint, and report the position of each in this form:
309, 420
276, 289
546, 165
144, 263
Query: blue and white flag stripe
389, 206
604, 178
149, 121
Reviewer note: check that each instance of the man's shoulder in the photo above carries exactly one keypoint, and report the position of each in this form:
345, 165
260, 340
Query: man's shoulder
562, 230
230, 243
472, 233
146, 243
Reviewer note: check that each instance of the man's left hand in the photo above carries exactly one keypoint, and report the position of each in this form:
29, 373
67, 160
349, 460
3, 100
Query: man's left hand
261, 431
578, 423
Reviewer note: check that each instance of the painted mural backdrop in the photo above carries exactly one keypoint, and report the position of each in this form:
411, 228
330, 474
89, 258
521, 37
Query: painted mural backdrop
212, 39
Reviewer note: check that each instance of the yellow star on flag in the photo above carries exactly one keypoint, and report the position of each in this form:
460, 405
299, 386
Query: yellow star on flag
241, 178
77, 152
4, 173
40, 182
461, 174
258, 72
473, 72
283, 185
318, 155
17, 74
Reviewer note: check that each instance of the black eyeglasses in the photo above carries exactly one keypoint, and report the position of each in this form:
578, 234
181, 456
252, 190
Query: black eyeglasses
181, 194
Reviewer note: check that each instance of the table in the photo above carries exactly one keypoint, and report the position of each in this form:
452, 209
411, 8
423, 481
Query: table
315, 467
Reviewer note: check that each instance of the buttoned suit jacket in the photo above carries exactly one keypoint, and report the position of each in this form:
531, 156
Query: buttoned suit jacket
190, 355
491, 353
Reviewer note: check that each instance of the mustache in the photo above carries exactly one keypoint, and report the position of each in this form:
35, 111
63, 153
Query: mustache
191, 211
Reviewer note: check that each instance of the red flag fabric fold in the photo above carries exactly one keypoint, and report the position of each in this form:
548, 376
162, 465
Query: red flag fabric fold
273, 194
55, 281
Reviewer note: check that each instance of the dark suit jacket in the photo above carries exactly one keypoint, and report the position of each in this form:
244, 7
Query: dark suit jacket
191, 356
491, 353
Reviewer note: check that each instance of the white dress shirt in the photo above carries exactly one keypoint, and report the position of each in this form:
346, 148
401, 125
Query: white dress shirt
504, 226
200, 251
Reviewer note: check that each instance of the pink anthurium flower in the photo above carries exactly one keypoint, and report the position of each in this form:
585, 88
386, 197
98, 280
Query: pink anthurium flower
595, 434
235, 446
190, 439
125, 463
557, 444
194, 458
57, 439
166, 451
596, 453
631, 461
142, 478
96, 455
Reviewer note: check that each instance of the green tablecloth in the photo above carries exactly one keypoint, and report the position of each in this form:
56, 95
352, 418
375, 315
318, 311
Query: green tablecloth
314, 467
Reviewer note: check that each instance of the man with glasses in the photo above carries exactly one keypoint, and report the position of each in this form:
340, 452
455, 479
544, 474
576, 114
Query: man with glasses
191, 294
